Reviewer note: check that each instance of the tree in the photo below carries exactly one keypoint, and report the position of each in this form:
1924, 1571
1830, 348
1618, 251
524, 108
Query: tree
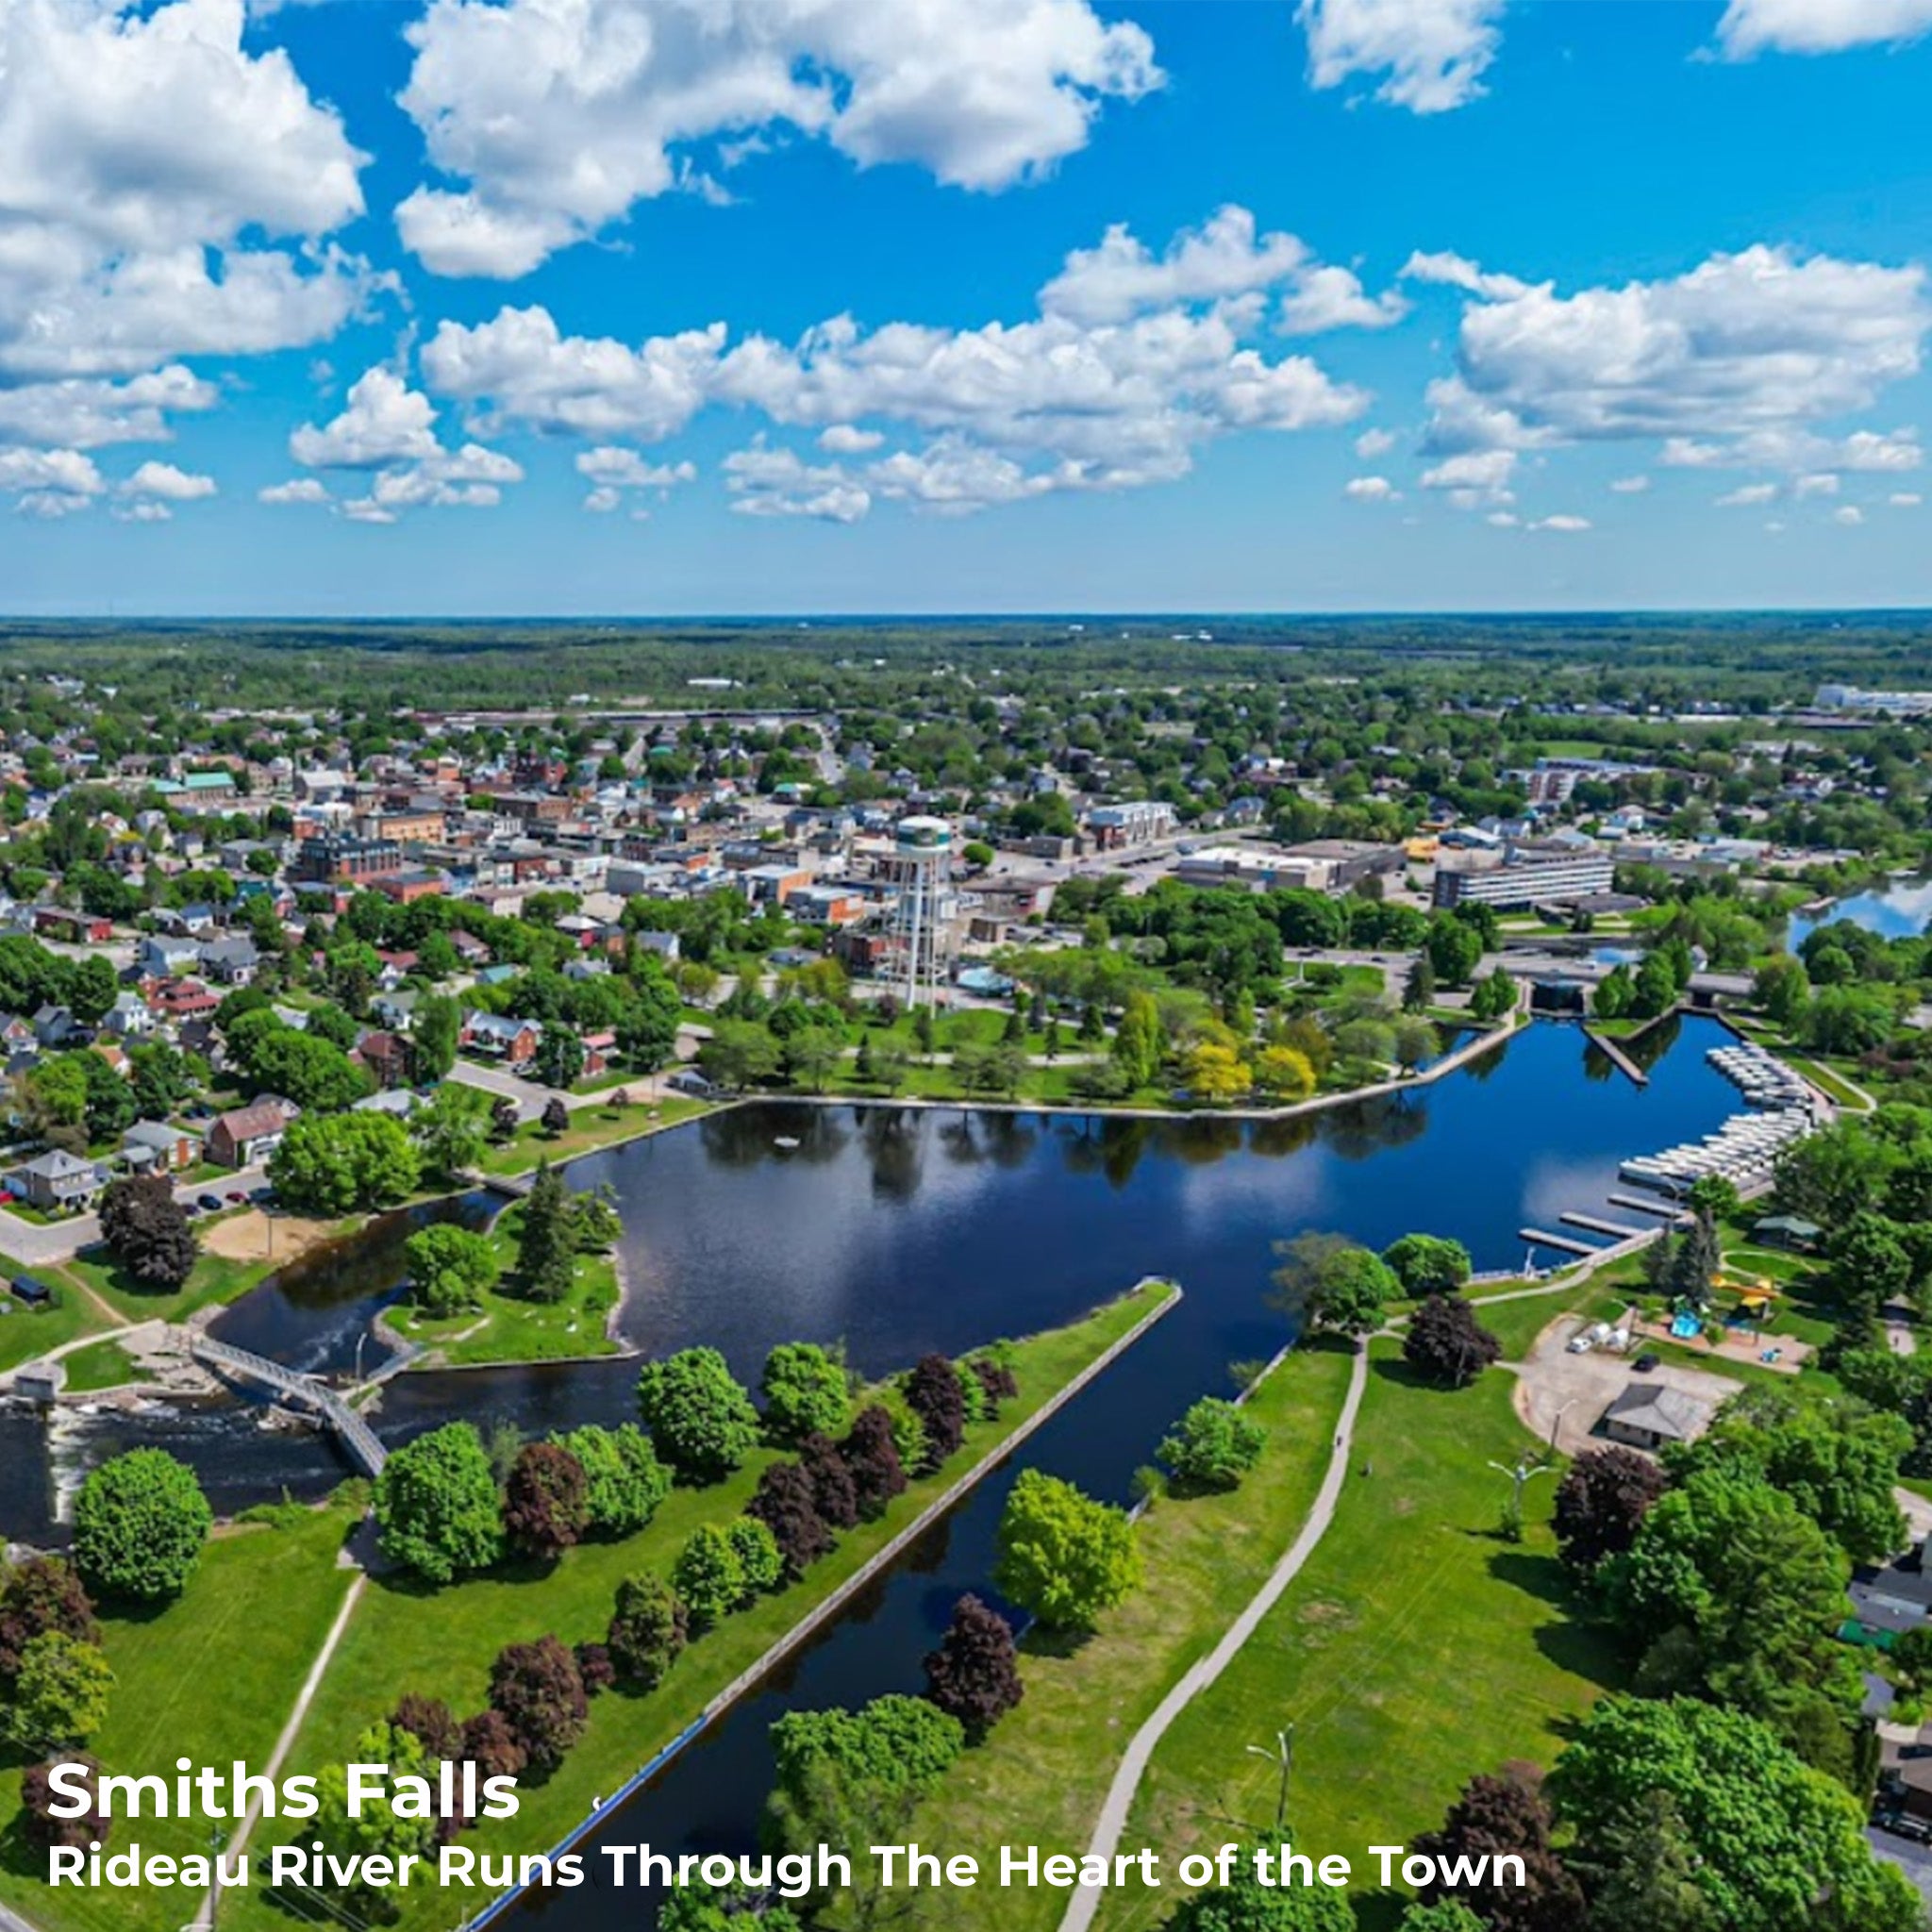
539, 1692
1443, 1915
491, 1745
1838, 1461
933, 1395
1139, 1041
450, 1131
1333, 1284
149, 1230
1418, 989
1493, 998
1429, 1263
450, 1268
436, 1505
701, 1421
435, 1030
162, 1077
833, 1494
1870, 1262
741, 1053
1782, 988
505, 1118
1213, 1446
559, 1057
343, 1163
708, 1577
39, 1594
547, 1502
108, 1110
872, 1460
805, 1392
1445, 1341
1642, 1874
786, 1503
1601, 1504
546, 1238
555, 1119
1063, 1556
759, 1561
1771, 1842
430, 1721
698, 1906
1713, 1196
647, 1032
1216, 1074
649, 1629
140, 1522
1284, 1076
974, 1673
1498, 1817
1736, 1596
626, 1484
1454, 949
38, 1825
1695, 1263
60, 1696
53, 1103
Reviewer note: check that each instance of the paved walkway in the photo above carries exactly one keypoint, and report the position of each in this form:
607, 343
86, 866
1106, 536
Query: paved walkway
1133, 1767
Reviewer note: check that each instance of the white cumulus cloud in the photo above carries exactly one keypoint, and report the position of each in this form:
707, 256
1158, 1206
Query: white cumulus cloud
1431, 54
1819, 26
164, 481
554, 117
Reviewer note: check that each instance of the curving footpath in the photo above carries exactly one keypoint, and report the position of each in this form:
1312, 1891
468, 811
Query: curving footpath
1126, 1780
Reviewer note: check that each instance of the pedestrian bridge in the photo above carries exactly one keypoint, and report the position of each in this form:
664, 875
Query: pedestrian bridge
354, 1435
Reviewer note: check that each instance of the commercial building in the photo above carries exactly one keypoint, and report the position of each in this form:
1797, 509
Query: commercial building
1532, 882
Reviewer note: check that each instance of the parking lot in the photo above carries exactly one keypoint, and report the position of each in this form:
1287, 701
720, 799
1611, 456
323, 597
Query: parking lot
1568, 1394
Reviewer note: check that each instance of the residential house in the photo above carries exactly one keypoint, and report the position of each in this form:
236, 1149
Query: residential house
164, 956
157, 1147
498, 1036
184, 999
395, 1010
600, 1050
247, 1134
53, 1026
386, 1055
232, 961
16, 1035
128, 1017
55, 1181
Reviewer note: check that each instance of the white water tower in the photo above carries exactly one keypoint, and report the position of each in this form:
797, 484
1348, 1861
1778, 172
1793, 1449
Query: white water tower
922, 917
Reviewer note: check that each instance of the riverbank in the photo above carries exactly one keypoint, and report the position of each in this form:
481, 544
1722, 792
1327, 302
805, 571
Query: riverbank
440, 1644
1205, 1556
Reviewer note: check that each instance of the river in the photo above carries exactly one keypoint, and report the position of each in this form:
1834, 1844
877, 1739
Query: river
900, 1230
1900, 910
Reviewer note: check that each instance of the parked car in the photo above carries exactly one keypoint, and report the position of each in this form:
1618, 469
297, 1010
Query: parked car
209, 1203
1646, 1362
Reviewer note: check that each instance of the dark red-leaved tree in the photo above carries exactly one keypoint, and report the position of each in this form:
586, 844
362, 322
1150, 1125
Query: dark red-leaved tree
873, 1458
832, 1494
539, 1691
491, 1746
596, 1666
1493, 1817
39, 1826
996, 1379
546, 1501
1601, 1504
932, 1394
974, 1673
429, 1721
1445, 1341
149, 1230
786, 1505
40, 1595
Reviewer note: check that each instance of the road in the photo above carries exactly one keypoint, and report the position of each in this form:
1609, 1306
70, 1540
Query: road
1133, 1767
36, 1245
532, 1096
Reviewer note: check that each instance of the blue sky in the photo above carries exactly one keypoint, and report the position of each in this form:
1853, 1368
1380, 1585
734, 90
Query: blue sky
507, 306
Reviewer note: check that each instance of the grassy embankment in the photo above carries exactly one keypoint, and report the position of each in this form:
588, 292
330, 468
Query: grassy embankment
440, 1643
590, 1130
1040, 1776
1416, 1648
211, 1677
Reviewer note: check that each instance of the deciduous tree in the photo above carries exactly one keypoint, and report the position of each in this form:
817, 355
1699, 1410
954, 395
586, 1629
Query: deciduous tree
1063, 1556
974, 1673
701, 1421
436, 1505
140, 1522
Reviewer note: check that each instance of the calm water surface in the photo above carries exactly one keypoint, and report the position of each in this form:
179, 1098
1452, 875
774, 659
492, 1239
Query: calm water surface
898, 1231
1900, 911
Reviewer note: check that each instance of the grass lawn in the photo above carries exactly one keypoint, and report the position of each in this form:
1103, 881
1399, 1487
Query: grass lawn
211, 1677
103, 1364
590, 1129
509, 1327
1041, 1774
25, 1333
1415, 1649
216, 1281
441, 1643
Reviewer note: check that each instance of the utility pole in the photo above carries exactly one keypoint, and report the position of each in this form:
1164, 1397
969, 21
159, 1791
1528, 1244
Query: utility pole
1282, 1754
